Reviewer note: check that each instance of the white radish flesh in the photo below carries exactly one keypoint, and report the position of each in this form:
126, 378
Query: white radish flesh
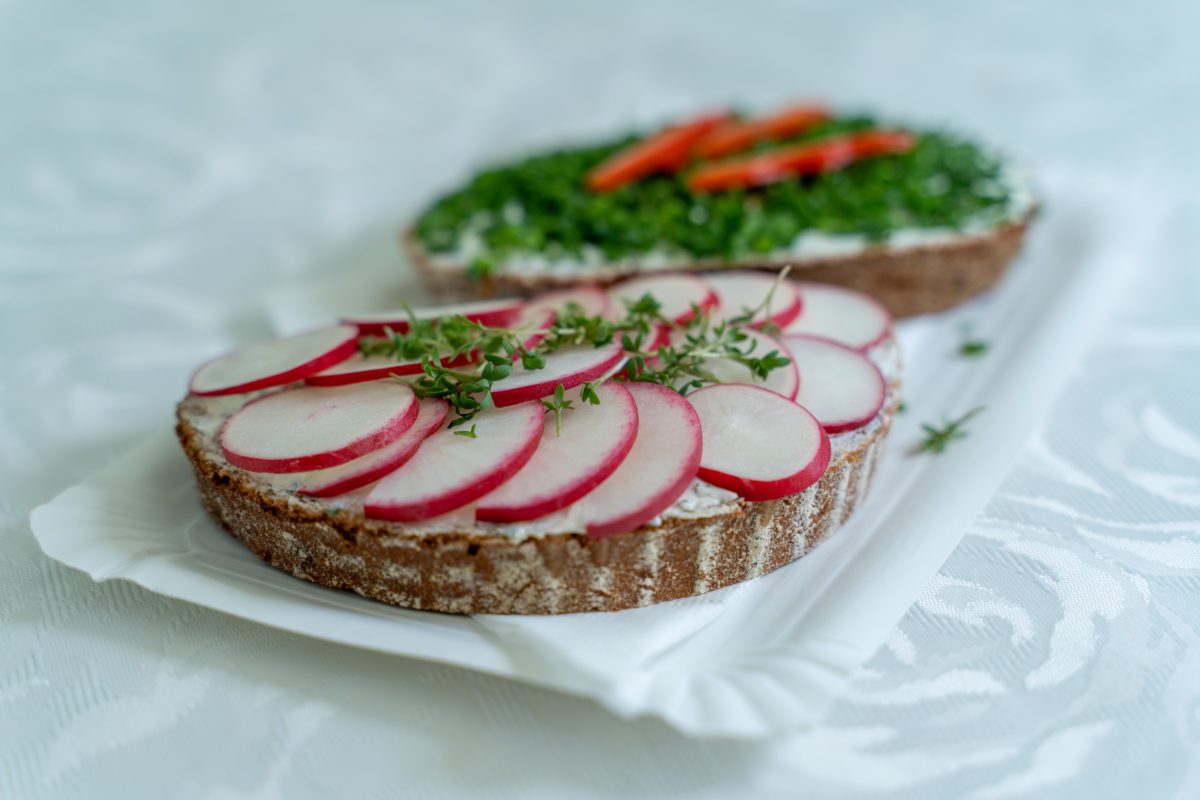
361, 368
275, 363
839, 385
741, 291
758, 444
657, 470
534, 324
784, 380
677, 294
592, 300
486, 312
842, 315
449, 470
369, 468
568, 367
308, 428
568, 463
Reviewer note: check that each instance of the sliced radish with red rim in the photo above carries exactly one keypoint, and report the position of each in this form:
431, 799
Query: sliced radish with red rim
658, 468
842, 315
570, 462
449, 470
677, 294
839, 385
310, 427
741, 291
361, 368
485, 312
369, 468
758, 444
535, 323
659, 337
275, 363
784, 380
592, 300
568, 367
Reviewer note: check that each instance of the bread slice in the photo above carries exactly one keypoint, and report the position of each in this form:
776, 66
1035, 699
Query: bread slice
708, 540
918, 277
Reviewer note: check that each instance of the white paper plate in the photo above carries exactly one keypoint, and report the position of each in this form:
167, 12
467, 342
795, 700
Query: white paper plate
750, 660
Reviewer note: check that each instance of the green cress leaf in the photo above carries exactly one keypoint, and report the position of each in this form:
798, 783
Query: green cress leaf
681, 364
936, 438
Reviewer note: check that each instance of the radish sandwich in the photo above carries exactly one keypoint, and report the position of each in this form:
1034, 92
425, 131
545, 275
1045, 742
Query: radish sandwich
584, 450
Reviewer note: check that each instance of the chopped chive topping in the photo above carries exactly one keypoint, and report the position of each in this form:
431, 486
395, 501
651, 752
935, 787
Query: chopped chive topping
540, 205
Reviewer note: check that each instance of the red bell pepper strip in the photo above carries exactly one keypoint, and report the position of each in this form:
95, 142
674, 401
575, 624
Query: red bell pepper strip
814, 158
667, 151
737, 135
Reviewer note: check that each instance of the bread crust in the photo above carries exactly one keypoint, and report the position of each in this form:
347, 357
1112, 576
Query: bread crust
470, 573
911, 280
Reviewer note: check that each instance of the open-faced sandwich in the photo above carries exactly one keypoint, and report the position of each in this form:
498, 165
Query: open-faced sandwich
583, 450
921, 220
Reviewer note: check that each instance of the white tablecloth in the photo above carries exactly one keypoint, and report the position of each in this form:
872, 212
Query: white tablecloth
164, 167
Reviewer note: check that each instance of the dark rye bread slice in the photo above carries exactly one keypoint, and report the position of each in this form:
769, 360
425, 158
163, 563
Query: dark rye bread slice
908, 280
478, 572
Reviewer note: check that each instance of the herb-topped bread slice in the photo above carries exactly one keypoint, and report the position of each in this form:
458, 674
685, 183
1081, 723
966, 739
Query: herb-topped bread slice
587, 450
921, 220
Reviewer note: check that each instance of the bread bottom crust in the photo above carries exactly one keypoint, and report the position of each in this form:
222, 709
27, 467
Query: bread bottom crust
470, 573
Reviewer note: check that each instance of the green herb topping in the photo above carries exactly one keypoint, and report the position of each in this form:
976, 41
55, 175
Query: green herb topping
971, 346
678, 363
540, 206
936, 438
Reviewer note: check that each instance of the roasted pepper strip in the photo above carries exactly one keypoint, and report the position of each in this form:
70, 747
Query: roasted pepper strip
664, 152
798, 161
737, 135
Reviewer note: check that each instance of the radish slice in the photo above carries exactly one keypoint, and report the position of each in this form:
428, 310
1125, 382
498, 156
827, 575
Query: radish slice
370, 368
758, 444
742, 290
275, 363
660, 338
485, 312
659, 467
592, 299
676, 294
450, 471
537, 321
783, 380
313, 428
843, 315
431, 413
569, 367
593, 442
361, 368
841, 387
